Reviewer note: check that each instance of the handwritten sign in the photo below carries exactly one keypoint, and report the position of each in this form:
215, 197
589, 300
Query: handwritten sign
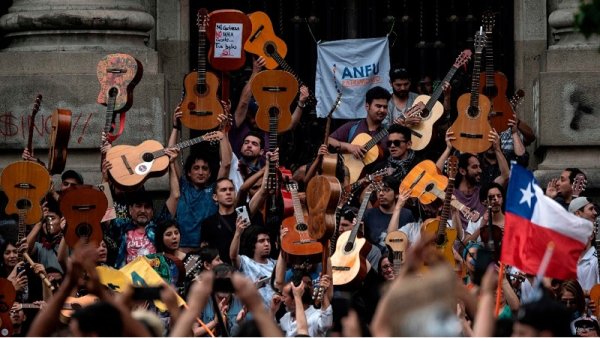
228, 40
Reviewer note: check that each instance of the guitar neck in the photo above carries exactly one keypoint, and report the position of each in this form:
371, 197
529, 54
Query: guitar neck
456, 204
489, 60
110, 108
359, 216
273, 124
446, 209
298, 213
22, 231
36, 107
201, 58
375, 139
437, 93
181, 145
475, 83
397, 262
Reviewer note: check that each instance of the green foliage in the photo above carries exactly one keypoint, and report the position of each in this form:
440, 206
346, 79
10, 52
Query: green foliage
588, 18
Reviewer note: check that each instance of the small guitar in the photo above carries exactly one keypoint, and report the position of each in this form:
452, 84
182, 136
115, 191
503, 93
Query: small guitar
132, 165
297, 243
471, 128
228, 30
200, 105
579, 184
397, 241
354, 165
59, 140
192, 265
444, 236
421, 133
83, 207
348, 263
263, 42
274, 91
493, 84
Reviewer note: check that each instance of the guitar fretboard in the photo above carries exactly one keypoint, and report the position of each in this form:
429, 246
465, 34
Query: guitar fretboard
201, 56
439, 89
298, 214
474, 103
110, 109
359, 216
489, 60
446, 208
179, 146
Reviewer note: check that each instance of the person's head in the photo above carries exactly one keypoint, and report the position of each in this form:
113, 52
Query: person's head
288, 297
400, 81
150, 320
399, 141
11, 256
585, 327
377, 103
469, 168
102, 251
167, 236
469, 255
197, 169
388, 193
493, 193
583, 207
258, 242
70, 178
55, 276
543, 317
98, 319
223, 271
17, 315
565, 181
51, 223
253, 146
224, 192
426, 85
209, 258
386, 267
141, 208
572, 296
348, 216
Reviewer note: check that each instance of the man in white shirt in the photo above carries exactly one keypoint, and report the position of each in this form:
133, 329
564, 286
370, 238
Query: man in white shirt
310, 322
587, 266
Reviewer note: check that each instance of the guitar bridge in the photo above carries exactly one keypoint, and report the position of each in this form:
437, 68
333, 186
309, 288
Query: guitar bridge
340, 268
127, 164
201, 113
416, 133
469, 135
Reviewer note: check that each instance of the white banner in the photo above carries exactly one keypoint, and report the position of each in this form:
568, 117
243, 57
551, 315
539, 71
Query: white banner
360, 65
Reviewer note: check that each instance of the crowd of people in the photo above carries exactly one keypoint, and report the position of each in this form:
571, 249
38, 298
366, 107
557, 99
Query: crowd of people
216, 241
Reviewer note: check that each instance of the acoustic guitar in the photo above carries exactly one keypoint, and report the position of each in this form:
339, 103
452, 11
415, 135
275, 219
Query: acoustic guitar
263, 42
444, 236
471, 128
73, 304
434, 110
427, 183
228, 30
492, 83
132, 165
348, 263
299, 246
59, 140
8, 295
397, 241
355, 166
200, 105
83, 207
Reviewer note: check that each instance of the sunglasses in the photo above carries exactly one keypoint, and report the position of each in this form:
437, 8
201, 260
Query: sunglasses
396, 143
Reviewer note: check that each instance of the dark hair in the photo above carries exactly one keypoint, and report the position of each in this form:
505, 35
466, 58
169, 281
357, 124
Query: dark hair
463, 162
139, 196
392, 183
398, 129
192, 158
349, 213
249, 238
207, 255
100, 318
161, 228
53, 205
573, 286
573, 172
259, 135
483, 193
221, 180
377, 92
399, 73
223, 270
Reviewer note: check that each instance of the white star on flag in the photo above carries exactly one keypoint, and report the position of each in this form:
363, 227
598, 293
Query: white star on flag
527, 195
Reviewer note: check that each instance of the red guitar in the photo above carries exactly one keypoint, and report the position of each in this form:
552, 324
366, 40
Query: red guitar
228, 30
83, 207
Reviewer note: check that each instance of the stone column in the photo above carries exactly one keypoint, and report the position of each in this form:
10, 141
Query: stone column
569, 107
52, 47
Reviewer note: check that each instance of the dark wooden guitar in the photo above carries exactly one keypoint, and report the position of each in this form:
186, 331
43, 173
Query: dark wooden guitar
83, 207
348, 263
8, 295
263, 42
228, 30
397, 241
471, 128
132, 165
421, 133
492, 83
444, 236
200, 105
59, 140
299, 246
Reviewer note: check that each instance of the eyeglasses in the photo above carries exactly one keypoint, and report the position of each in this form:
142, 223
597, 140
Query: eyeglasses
386, 267
396, 143
568, 302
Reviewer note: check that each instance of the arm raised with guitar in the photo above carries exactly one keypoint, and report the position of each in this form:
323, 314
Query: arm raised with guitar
242, 108
502, 162
403, 196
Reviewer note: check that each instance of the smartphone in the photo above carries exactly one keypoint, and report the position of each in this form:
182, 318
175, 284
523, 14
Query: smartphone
147, 293
243, 212
262, 282
223, 285
21, 268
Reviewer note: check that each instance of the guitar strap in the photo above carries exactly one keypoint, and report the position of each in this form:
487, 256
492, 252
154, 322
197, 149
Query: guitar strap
353, 131
112, 137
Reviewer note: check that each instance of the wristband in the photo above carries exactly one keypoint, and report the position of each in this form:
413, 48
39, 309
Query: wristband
301, 105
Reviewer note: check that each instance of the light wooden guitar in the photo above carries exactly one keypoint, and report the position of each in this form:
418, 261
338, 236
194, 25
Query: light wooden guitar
348, 263
397, 241
200, 106
444, 236
421, 133
132, 165
471, 128
427, 183
354, 165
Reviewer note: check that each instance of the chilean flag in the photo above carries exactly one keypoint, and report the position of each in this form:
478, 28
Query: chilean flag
532, 221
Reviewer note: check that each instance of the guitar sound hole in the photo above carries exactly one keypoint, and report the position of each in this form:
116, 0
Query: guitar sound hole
440, 239
147, 157
273, 112
23, 204
348, 247
429, 187
83, 230
424, 113
473, 111
301, 227
201, 88
270, 48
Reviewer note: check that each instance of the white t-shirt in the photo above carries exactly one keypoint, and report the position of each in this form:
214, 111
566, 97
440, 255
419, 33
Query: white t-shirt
319, 321
587, 269
413, 230
256, 271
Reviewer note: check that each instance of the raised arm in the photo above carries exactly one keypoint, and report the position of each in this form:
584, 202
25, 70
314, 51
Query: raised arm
519, 147
242, 107
225, 146
248, 294
301, 322
174, 192
403, 196
197, 300
502, 162
234, 248
442, 160
260, 196
314, 166
297, 114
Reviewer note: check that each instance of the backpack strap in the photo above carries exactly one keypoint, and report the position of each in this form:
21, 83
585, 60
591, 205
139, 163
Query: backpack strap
353, 131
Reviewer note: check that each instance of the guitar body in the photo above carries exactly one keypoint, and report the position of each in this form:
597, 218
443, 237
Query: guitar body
120, 71
263, 41
25, 183
501, 110
420, 177
349, 267
595, 296
274, 91
398, 243
59, 140
472, 129
322, 197
298, 244
421, 133
227, 62
8, 295
74, 303
83, 207
444, 245
128, 165
354, 165
200, 105
329, 164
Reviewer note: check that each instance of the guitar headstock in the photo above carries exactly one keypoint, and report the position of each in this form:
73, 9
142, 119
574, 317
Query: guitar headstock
213, 137
463, 58
488, 20
291, 186
517, 99
480, 40
379, 175
336, 104
36, 105
202, 19
579, 184
471, 215
452, 167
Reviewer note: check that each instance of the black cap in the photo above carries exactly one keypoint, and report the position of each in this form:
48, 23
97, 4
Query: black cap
72, 174
546, 314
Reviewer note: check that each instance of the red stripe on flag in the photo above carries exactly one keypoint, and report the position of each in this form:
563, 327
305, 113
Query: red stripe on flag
524, 244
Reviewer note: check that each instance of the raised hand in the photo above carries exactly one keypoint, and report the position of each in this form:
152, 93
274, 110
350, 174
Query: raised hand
552, 188
449, 138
